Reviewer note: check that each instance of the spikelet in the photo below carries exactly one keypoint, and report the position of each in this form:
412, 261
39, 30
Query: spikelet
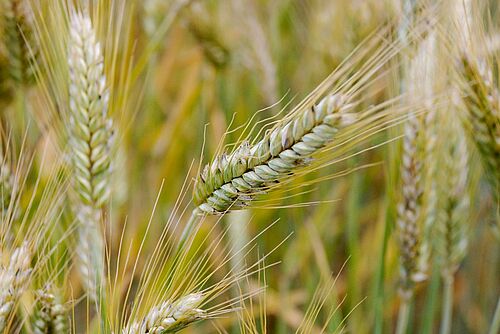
170, 316
50, 315
231, 181
20, 46
13, 281
452, 222
482, 104
90, 142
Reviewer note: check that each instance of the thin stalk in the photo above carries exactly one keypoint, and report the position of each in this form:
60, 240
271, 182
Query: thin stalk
431, 299
403, 316
447, 306
238, 238
390, 214
352, 231
189, 227
21, 110
495, 323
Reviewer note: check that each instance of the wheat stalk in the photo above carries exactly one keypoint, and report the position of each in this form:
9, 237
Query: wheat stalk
231, 181
13, 281
51, 316
169, 316
90, 141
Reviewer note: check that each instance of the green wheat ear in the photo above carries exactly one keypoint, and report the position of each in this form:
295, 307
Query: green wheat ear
20, 46
482, 102
90, 140
231, 181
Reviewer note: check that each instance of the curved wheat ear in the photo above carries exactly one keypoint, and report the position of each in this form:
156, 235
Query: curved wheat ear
408, 222
18, 40
169, 317
90, 141
51, 316
483, 116
231, 181
13, 281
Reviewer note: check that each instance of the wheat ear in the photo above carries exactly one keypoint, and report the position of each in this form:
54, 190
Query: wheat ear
13, 281
50, 316
170, 316
408, 222
18, 40
453, 212
452, 218
90, 141
482, 103
231, 181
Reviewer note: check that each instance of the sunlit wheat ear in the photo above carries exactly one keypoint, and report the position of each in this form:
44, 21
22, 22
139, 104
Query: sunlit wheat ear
19, 42
409, 229
90, 139
13, 282
170, 316
51, 317
230, 181
482, 104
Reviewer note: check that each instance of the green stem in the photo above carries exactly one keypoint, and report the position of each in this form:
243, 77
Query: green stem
447, 306
431, 300
403, 316
495, 323
189, 228
238, 239
352, 231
